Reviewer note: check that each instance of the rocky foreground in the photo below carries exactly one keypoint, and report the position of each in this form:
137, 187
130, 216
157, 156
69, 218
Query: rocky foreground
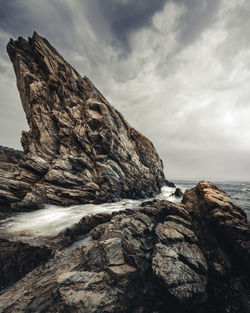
162, 257
79, 149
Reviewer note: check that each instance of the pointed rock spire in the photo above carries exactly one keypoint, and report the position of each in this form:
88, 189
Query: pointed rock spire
79, 149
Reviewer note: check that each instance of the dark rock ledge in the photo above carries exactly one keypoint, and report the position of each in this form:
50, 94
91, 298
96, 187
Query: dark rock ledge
9, 160
163, 257
17, 259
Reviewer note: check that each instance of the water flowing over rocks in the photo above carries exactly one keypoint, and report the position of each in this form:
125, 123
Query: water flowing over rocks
79, 149
162, 257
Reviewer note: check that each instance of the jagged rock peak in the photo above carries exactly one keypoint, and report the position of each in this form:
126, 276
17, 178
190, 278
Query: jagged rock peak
79, 148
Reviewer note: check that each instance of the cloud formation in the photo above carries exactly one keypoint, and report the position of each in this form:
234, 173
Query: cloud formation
178, 70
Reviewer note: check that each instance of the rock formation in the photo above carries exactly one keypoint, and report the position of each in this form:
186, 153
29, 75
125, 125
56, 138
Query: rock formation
178, 193
9, 160
79, 149
17, 259
163, 257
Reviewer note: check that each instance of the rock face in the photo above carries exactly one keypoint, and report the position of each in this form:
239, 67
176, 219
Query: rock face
224, 237
163, 257
178, 193
9, 160
17, 259
79, 148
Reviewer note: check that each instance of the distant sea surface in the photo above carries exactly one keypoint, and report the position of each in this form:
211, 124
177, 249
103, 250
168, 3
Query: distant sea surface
238, 191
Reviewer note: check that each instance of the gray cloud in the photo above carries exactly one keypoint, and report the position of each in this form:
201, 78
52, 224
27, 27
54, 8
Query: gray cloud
18, 17
198, 15
3, 68
128, 16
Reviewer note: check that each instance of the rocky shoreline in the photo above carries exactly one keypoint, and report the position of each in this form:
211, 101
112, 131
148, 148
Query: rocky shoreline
160, 257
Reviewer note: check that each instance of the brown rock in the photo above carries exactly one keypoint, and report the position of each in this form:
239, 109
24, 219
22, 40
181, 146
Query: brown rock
17, 259
79, 149
9, 159
224, 237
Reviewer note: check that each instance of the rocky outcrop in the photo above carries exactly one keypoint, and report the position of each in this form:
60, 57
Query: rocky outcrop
169, 184
17, 259
224, 237
9, 160
178, 193
163, 257
79, 149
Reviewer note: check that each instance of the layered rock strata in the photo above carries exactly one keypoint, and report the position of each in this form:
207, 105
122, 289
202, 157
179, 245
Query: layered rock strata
9, 160
163, 257
79, 149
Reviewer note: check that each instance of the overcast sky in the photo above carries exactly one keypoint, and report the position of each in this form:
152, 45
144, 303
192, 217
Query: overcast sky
179, 71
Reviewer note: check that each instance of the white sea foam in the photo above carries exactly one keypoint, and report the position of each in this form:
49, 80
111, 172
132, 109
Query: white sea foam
53, 219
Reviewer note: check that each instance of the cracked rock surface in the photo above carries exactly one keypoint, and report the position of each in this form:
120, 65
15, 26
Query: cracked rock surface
9, 160
162, 257
79, 149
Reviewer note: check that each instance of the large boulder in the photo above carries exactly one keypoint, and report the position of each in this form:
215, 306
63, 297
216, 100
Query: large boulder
79, 149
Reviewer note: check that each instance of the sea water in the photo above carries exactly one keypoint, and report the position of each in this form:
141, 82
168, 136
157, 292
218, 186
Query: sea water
51, 220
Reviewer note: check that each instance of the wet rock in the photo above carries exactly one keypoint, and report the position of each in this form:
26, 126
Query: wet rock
78, 149
124, 268
112, 250
175, 272
17, 259
224, 236
170, 184
178, 193
178, 262
9, 159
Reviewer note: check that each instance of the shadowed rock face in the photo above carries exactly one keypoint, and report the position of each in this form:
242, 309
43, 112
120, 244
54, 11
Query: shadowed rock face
224, 237
17, 259
163, 257
79, 148
9, 160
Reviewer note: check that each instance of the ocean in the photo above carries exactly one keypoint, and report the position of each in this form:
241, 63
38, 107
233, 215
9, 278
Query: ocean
33, 227
238, 191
